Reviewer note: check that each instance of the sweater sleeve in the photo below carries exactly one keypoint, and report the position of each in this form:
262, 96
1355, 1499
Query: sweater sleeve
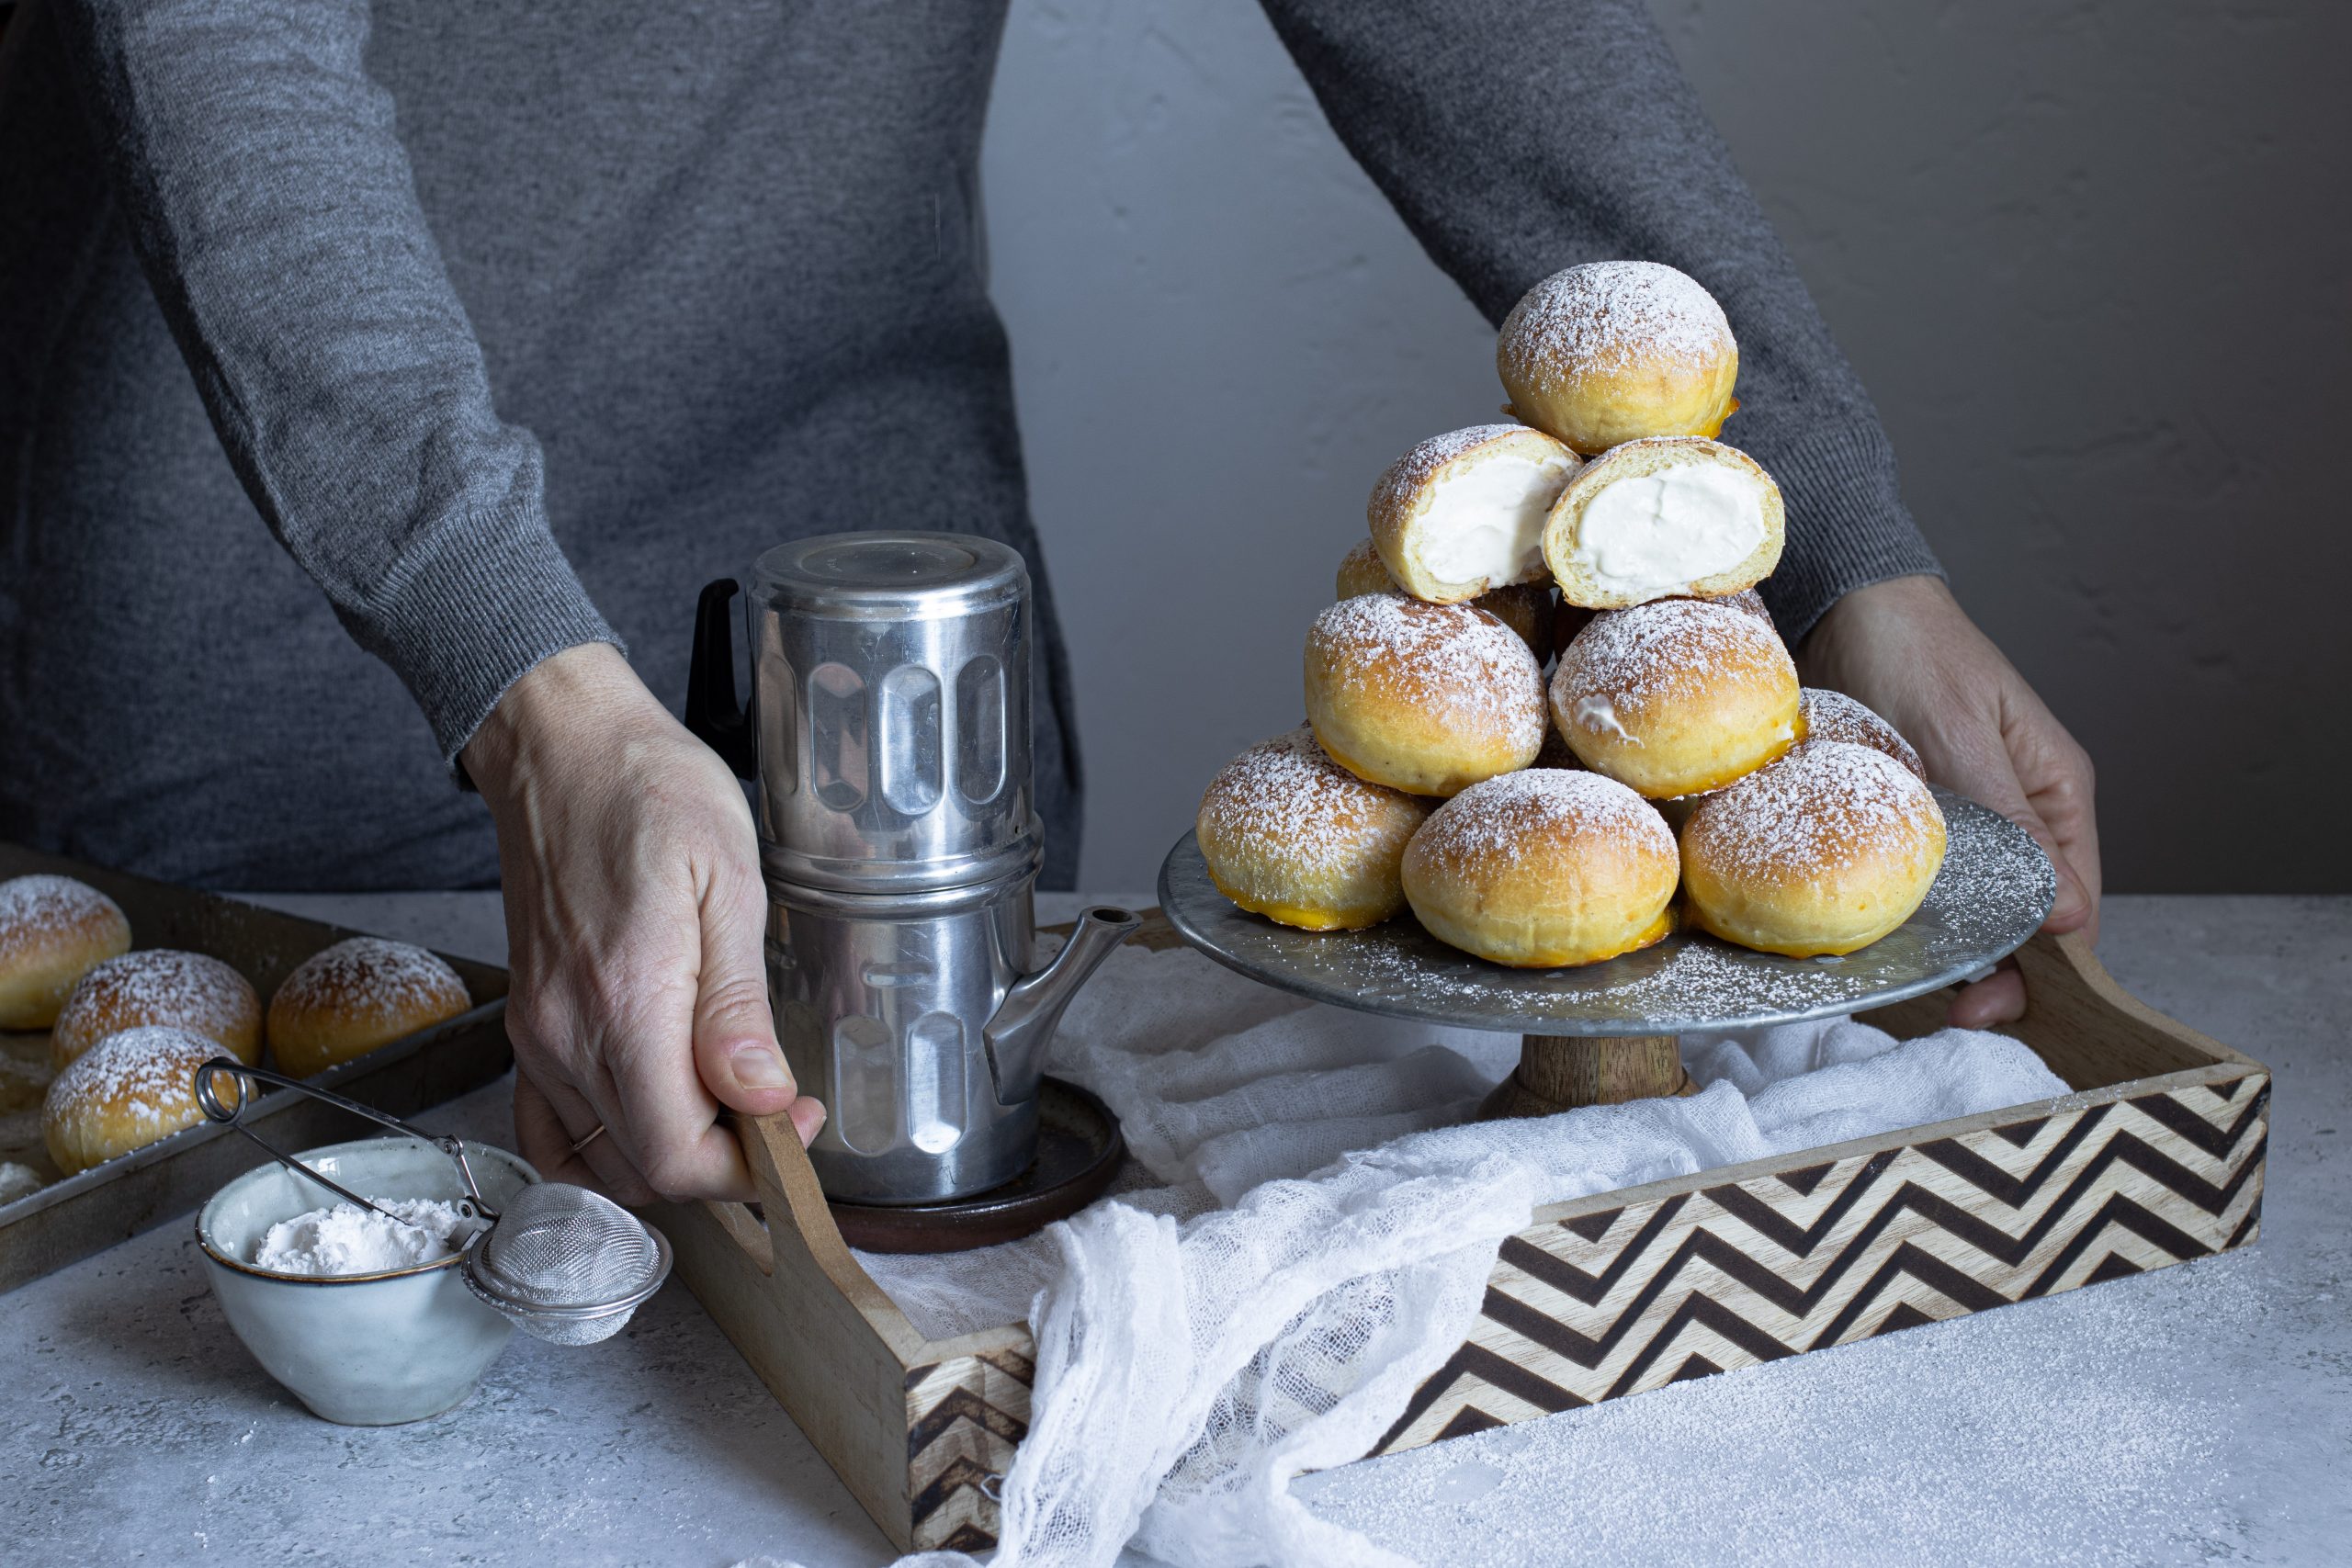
1518, 137
276, 215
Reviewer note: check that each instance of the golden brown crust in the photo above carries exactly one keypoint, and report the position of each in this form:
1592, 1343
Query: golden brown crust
1525, 607
359, 994
1825, 851
1289, 834
1613, 352
1833, 715
54, 930
1677, 696
129, 1090
1424, 698
1542, 869
1638, 459
160, 986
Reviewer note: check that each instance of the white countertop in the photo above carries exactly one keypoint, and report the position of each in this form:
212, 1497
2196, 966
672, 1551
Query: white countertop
2200, 1413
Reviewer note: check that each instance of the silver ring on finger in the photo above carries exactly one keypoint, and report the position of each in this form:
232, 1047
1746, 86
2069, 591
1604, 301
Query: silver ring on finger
595, 1132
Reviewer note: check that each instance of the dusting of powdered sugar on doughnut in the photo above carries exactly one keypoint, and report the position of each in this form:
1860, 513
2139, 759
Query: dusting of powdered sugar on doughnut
1630, 662
1297, 804
373, 973
1408, 473
162, 985
1609, 316
1809, 811
145, 1074
41, 906
1499, 817
1465, 666
1833, 715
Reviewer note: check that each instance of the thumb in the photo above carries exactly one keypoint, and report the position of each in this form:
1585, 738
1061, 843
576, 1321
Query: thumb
735, 1048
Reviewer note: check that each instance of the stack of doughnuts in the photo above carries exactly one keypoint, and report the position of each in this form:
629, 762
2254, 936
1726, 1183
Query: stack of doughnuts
127, 1030
1668, 766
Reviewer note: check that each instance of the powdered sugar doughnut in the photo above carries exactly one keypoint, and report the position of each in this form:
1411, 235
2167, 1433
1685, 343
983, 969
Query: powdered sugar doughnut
1524, 607
1614, 351
122, 1094
1425, 699
160, 986
54, 930
1290, 835
355, 996
1465, 512
1833, 715
1677, 696
1543, 868
1826, 851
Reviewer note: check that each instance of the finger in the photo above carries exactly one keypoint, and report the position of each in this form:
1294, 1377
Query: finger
672, 1129
546, 1141
1996, 1000
735, 1048
807, 1119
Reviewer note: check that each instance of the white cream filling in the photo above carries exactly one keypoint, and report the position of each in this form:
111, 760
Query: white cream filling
1484, 519
1662, 532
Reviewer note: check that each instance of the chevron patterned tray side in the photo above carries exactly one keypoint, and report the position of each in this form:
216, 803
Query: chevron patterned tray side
2154, 1157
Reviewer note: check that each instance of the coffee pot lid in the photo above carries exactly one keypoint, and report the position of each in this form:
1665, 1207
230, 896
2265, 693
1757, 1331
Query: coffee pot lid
891, 575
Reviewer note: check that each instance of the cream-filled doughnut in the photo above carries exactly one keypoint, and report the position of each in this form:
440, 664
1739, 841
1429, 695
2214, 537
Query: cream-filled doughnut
54, 930
1290, 835
123, 1093
1464, 512
1833, 715
349, 998
1669, 515
159, 985
1543, 868
1611, 352
1524, 607
1825, 851
1677, 696
1425, 699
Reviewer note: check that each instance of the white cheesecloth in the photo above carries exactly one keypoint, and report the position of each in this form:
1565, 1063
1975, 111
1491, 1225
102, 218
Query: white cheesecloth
1314, 1236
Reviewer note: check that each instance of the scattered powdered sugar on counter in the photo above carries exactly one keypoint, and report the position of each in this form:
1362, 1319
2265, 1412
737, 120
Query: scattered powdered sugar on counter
348, 1239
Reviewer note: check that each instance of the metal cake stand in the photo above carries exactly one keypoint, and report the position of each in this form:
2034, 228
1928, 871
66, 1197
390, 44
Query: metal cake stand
1606, 1033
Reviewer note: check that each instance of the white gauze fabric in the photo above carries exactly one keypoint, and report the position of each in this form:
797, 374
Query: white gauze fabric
1310, 1232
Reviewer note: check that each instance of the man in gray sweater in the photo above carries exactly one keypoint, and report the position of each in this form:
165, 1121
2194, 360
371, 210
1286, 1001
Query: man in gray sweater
514, 323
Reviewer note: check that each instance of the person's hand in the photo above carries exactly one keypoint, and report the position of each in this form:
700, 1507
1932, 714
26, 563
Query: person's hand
634, 916
1907, 650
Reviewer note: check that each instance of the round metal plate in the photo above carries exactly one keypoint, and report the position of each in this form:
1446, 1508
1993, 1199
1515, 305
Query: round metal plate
1994, 892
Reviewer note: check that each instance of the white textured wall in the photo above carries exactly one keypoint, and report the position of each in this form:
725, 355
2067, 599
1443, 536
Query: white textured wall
2092, 259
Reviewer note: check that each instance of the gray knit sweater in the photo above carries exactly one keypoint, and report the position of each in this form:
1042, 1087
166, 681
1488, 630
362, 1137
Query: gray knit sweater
515, 322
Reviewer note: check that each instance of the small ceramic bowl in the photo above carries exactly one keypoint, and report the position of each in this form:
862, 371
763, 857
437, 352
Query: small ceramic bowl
361, 1349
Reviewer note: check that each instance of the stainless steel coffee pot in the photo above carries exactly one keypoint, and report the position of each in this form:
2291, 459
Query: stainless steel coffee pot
887, 738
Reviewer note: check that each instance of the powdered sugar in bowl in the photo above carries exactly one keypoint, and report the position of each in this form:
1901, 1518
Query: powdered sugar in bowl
372, 1348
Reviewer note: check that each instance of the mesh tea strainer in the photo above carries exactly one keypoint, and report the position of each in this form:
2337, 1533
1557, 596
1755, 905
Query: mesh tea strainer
558, 1262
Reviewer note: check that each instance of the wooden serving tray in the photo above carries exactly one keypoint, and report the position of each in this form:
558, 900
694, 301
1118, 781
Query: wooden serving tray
2154, 1157
72, 1218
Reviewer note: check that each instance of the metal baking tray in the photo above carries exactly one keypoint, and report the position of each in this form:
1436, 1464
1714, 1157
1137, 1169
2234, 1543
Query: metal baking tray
70, 1219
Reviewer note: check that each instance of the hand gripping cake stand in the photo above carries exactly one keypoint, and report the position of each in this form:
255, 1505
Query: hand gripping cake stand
1608, 1033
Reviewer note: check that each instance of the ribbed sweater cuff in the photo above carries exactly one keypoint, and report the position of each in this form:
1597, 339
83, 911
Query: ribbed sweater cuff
462, 621
1846, 525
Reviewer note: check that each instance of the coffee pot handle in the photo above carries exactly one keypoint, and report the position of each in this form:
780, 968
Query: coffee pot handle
712, 711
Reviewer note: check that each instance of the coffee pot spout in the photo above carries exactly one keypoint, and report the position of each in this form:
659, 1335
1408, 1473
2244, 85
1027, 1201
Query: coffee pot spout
1023, 1026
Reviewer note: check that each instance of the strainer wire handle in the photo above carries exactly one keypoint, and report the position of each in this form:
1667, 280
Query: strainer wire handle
208, 1097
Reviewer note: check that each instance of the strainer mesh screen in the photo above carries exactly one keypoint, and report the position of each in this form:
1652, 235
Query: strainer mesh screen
556, 1245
